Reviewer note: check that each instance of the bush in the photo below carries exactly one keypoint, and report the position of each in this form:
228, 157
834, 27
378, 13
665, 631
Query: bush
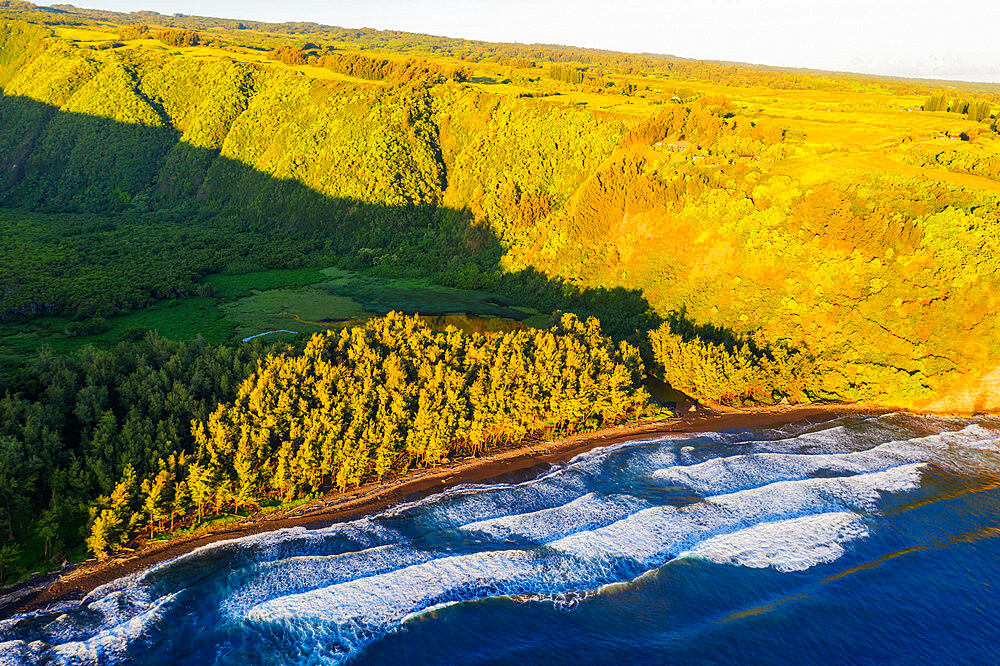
91, 326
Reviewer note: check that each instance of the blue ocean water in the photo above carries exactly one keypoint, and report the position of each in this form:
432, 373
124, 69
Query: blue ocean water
857, 540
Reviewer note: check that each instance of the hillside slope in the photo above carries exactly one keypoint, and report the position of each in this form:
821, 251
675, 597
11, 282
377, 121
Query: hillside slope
781, 263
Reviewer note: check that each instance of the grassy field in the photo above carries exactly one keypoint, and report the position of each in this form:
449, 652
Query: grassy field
238, 286
344, 298
85, 34
179, 319
305, 310
418, 295
304, 300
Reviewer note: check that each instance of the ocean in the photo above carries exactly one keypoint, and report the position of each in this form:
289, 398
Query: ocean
858, 540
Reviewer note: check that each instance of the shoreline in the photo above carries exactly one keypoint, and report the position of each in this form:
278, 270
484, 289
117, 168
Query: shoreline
74, 582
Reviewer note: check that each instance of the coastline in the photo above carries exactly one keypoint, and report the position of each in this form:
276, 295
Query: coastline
74, 582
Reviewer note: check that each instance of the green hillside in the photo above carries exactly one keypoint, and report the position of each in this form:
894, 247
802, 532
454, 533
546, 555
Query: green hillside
757, 235
734, 225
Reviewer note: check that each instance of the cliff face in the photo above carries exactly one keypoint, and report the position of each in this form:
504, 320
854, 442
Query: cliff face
890, 285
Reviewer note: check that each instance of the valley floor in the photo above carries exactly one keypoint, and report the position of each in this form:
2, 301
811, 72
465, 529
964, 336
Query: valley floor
75, 581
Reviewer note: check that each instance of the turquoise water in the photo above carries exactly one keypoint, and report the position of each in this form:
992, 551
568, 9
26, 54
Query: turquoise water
856, 540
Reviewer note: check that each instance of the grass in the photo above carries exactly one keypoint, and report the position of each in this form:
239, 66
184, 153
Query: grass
239, 286
886, 164
208, 522
179, 319
303, 300
497, 88
234, 55
301, 309
314, 304
345, 298
635, 105
81, 34
419, 296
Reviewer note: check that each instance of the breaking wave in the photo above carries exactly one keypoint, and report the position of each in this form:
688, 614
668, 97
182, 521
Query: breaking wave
787, 500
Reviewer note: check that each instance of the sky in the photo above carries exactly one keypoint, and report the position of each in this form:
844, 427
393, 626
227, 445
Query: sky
916, 38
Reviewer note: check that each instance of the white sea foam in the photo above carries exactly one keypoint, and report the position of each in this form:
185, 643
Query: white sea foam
788, 503
116, 585
588, 511
846, 434
429, 610
462, 505
18, 652
648, 535
795, 544
468, 504
295, 574
276, 545
789, 525
107, 645
387, 598
719, 475
637, 455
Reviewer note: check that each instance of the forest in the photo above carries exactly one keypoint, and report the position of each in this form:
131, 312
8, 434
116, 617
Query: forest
107, 442
746, 235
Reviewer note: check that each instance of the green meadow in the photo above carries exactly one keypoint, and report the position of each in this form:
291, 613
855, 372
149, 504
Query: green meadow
302, 300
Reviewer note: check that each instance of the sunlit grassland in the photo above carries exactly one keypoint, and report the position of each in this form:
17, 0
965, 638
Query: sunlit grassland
885, 163
483, 84
345, 298
85, 34
251, 57
636, 106
801, 110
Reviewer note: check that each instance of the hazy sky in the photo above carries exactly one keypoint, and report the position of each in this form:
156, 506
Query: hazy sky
923, 38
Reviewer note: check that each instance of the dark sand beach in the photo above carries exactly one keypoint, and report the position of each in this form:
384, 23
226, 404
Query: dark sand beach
75, 581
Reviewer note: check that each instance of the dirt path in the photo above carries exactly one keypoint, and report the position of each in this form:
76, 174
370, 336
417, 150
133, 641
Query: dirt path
75, 582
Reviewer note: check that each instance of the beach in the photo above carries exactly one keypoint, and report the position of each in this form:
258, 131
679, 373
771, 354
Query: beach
75, 581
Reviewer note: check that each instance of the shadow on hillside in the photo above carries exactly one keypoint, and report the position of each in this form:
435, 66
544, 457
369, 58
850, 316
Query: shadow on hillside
60, 162
682, 324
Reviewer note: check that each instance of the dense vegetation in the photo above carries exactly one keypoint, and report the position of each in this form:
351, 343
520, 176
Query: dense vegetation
83, 421
974, 109
972, 159
91, 265
757, 235
376, 399
104, 443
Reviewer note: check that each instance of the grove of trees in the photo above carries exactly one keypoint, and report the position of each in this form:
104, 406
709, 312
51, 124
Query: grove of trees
974, 109
374, 400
